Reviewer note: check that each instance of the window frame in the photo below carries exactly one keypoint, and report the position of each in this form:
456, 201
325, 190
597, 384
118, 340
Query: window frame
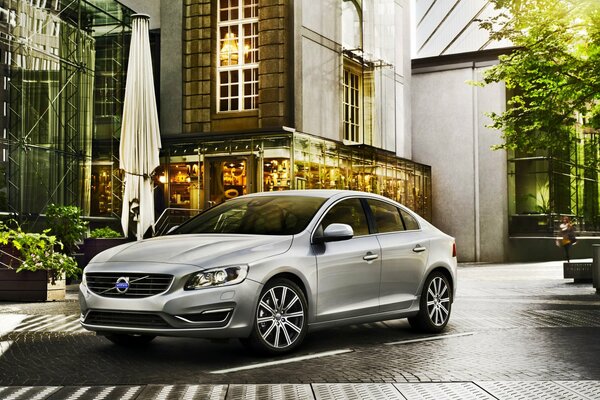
351, 68
366, 212
376, 225
239, 87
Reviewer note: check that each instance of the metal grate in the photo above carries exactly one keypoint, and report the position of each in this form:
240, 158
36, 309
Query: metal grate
526, 390
139, 285
588, 389
96, 392
442, 390
183, 392
361, 391
125, 319
272, 392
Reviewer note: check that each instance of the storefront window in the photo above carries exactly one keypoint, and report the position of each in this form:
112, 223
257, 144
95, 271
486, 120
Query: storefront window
301, 162
224, 169
102, 189
276, 174
183, 182
543, 189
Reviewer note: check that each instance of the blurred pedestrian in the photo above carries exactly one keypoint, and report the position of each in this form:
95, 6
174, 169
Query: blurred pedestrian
568, 239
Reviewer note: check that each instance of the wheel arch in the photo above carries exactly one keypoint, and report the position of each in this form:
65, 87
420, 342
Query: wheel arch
447, 273
294, 278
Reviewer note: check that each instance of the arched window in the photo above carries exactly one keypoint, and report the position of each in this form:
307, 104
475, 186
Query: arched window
352, 24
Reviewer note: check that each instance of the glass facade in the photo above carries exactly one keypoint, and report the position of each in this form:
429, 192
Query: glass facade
544, 188
62, 73
201, 175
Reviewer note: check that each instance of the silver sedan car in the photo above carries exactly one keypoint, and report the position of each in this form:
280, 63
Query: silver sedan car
269, 267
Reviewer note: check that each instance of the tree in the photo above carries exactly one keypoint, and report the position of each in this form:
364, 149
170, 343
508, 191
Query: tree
552, 74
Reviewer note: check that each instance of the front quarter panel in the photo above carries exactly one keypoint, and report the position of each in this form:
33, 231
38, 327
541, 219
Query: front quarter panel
298, 263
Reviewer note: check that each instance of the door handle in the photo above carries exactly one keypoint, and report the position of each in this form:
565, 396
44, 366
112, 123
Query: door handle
370, 256
419, 249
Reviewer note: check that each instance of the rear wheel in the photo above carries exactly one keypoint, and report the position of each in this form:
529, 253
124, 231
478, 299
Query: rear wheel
435, 304
280, 320
125, 339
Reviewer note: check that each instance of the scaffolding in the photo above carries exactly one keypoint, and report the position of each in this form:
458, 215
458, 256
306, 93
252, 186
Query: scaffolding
48, 57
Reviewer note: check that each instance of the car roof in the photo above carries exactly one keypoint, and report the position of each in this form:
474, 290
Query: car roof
324, 193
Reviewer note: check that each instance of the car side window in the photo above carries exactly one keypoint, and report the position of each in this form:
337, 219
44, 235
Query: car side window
410, 222
387, 216
349, 212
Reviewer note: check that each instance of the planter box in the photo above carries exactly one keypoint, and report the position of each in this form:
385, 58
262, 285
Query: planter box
580, 272
94, 246
29, 286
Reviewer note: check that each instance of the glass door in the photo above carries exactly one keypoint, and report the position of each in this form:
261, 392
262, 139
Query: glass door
227, 178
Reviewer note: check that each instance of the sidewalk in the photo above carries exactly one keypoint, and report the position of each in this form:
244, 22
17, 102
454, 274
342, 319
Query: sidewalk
320, 391
507, 323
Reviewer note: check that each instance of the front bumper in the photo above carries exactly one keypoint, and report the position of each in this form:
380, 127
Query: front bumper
219, 312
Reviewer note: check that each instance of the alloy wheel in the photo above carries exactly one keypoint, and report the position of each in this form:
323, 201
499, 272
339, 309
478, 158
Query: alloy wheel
280, 317
438, 301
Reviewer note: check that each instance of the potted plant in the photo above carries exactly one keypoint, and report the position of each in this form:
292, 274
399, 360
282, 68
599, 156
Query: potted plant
31, 268
66, 224
99, 240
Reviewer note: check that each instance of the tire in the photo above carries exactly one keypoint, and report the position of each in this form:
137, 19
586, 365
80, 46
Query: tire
435, 304
125, 339
280, 322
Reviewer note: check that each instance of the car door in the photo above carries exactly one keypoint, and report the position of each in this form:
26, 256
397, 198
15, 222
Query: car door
349, 270
404, 253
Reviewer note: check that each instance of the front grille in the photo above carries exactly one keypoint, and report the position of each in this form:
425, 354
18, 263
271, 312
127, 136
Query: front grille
125, 319
138, 285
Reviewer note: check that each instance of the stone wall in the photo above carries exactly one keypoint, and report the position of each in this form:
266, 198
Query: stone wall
199, 70
197, 65
273, 69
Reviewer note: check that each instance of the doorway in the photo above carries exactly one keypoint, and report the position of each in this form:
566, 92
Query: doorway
228, 177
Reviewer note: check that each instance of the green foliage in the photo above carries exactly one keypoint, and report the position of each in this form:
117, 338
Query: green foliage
66, 224
553, 74
38, 252
105, 232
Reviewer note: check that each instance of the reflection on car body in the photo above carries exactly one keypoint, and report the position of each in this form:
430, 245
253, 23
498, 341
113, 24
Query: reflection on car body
268, 267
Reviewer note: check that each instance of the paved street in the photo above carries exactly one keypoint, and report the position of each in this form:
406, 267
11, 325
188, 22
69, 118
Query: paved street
518, 331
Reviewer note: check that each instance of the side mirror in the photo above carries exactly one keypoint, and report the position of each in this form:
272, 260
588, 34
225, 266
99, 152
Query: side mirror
334, 233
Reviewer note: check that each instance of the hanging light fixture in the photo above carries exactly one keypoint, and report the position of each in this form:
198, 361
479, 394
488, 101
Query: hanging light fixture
229, 51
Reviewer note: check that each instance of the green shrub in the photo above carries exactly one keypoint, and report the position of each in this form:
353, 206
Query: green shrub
66, 224
105, 232
38, 252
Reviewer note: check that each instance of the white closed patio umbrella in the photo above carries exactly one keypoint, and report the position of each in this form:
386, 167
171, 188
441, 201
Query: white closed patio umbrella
140, 135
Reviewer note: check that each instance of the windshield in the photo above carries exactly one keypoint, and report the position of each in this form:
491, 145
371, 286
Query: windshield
264, 215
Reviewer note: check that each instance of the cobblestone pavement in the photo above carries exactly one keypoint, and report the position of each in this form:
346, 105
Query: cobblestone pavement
517, 331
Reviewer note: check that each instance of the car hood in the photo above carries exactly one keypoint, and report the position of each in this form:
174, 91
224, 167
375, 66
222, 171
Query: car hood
203, 250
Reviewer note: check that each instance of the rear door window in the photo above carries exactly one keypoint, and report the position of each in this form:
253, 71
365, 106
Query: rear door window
410, 222
387, 217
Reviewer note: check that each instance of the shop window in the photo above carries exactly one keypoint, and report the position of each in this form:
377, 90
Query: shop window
101, 189
237, 55
276, 174
184, 178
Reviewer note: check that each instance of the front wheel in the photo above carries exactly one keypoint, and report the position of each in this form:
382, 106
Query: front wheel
435, 304
280, 320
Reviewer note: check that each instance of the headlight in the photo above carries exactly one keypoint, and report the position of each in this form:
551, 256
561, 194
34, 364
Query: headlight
222, 276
